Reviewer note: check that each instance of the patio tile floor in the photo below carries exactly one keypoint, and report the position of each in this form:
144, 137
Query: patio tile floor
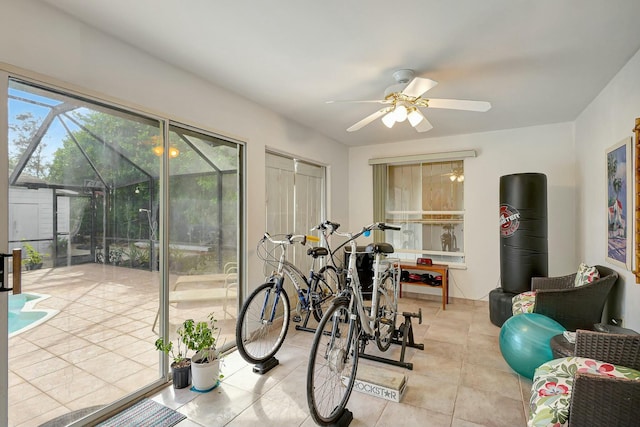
98, 348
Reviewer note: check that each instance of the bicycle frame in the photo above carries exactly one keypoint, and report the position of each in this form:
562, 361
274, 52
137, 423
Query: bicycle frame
367, 320
354, 286
277, 276
286, 268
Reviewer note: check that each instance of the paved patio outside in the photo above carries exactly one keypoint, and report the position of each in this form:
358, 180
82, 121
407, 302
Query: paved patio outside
99, 347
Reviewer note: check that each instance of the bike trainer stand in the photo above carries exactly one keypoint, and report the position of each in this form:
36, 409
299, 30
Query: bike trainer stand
403, 336
266, 366
303, 327
344, 420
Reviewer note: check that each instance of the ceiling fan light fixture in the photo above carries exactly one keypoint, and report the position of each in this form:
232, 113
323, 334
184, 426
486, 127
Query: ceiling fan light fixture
461, 178
414, 117
400, 113
404, 100
452, 178
389, 119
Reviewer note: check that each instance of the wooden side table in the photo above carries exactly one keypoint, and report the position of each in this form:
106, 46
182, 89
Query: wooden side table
441, 269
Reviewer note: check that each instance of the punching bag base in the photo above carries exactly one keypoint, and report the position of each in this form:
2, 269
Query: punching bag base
500, 306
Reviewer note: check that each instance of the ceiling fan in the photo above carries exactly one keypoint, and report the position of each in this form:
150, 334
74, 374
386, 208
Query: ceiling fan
404, 100
455, 175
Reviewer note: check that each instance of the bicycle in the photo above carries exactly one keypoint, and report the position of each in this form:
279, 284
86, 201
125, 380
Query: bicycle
346, 327
264, 318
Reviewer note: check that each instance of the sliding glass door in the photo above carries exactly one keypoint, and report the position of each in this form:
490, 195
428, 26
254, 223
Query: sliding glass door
114, 211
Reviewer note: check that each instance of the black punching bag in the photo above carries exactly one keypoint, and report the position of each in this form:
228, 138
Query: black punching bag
524, 251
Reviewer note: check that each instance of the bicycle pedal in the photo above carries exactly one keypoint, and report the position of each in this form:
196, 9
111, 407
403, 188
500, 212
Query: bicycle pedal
297, 319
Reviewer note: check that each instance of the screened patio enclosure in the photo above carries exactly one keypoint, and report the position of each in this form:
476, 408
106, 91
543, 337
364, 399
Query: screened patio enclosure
114, 210
89, 177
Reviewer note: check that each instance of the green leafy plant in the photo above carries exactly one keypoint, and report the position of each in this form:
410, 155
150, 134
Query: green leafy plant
201, 338
33, 258
61, 245
138, 256
177, 353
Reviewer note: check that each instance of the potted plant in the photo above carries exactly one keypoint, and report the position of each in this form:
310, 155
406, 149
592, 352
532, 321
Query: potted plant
200, 337
33, 261
181, 365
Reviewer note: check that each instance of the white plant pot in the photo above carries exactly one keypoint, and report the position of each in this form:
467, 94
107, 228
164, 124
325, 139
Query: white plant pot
204, 376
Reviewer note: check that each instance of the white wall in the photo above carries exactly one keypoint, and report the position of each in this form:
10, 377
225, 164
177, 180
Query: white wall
609, 119
40, 39
543, 149
35, 211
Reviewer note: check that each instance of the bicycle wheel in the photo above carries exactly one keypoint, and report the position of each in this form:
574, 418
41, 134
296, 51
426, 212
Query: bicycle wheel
263, 323
333, 362
325, 286
386, 312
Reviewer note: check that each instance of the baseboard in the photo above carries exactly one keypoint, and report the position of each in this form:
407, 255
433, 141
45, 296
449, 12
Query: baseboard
438, 298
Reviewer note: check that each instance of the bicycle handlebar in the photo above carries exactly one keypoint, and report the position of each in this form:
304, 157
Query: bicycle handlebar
382, 226
332, 227
327, 226
351, 237
291, 239
371, 227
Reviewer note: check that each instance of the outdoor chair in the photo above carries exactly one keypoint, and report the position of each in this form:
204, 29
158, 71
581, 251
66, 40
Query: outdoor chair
227, 293
600, 386
574, 307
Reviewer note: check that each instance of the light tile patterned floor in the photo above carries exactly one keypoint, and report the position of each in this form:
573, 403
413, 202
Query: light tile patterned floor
68, 363
458, 380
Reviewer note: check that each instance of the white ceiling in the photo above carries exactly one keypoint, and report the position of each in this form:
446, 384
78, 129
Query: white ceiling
537, 62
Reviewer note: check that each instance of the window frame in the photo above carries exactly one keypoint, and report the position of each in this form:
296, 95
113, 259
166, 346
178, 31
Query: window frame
383, 213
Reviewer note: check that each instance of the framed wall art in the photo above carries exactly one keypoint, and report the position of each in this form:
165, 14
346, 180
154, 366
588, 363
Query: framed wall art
636, 131
619, 203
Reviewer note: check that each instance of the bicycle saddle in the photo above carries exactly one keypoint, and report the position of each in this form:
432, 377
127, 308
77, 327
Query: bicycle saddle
379, 248
317, 252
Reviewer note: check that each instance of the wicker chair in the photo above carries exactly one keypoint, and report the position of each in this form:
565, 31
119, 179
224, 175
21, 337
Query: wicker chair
598, 400
573, 307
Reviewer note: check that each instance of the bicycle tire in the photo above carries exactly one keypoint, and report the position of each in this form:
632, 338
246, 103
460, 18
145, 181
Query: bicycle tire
333, 363
325, 286
386, 314
257, 340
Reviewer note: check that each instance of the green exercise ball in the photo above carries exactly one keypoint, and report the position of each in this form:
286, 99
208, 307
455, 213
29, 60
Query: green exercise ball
524, 341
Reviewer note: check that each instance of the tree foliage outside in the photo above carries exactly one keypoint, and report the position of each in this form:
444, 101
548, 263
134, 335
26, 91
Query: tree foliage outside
110, 157
21, 132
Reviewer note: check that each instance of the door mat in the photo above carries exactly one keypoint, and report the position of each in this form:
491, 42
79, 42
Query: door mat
146, 413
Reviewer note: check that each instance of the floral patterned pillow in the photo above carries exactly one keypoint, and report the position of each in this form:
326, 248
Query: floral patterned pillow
523, 303
586, 275
552, 383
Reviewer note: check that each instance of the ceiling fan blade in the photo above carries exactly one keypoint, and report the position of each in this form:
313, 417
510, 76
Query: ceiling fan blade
362, 123
460, 104
374, 101
418, 86
424, 124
